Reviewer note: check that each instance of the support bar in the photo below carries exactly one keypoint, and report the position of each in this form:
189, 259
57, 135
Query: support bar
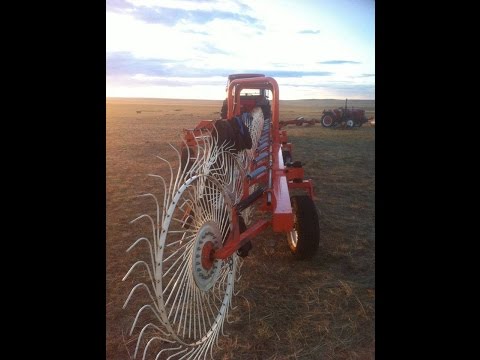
250, 199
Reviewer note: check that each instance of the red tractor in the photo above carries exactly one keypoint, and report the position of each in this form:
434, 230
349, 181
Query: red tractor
343, 117
249, 98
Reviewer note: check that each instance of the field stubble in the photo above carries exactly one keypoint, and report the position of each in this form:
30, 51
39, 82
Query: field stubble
317, 309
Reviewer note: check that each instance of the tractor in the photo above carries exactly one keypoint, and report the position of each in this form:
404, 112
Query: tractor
249, 98
343, 117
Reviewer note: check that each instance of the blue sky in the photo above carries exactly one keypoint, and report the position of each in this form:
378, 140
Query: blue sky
186, 49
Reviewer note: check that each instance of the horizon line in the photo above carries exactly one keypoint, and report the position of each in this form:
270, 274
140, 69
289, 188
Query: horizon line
159, 98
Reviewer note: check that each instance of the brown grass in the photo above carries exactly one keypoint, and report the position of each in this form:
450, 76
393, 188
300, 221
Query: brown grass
317, 309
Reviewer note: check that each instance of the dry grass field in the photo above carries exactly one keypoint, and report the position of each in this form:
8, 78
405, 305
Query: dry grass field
323, 308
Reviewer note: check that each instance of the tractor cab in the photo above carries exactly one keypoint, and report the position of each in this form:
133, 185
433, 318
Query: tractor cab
249, 98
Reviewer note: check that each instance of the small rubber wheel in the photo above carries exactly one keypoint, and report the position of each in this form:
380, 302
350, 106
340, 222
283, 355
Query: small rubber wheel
304, 239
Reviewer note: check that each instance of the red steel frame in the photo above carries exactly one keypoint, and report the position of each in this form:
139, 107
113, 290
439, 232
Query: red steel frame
283, 178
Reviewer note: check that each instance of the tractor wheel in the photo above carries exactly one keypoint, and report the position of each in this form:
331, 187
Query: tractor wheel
223, 111
350, 123
287, 157
303, 240
327, 120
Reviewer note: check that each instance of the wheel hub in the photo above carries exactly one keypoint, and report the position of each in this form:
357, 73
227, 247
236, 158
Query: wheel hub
327, 120
293, 235
205, 268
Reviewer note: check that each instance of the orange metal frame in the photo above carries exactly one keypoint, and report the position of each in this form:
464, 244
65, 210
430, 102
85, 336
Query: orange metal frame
283, 178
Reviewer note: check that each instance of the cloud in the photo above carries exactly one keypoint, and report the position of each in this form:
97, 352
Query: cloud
124, 63
287, 73
338, 88
366, 75
210, 49
170, 16
165, 81
243, 7
118, 5
196, 32
309, 32
336, 62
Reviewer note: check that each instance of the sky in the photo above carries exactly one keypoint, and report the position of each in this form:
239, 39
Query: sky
315, 49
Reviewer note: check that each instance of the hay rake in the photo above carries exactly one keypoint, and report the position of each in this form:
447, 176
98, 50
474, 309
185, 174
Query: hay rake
203, 226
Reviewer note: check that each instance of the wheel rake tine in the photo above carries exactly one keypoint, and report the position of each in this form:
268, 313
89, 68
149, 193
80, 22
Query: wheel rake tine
171, 178
156, 338
149, 293
164, 350
158, 210
148, 269
179, 171
164, 192
141, 335
173, 355
152, 222
193, 352
149, 247
185, 172
138, 315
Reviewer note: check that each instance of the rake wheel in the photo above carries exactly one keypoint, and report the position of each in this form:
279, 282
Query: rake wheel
189, 293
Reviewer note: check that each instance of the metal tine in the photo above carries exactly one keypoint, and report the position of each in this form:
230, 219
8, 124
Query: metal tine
141, 335
149, 293
172, 356
164, 191
179, 171
190, 354
138, 314
148, 269
171, 178
152, 222
149, 246
148, 344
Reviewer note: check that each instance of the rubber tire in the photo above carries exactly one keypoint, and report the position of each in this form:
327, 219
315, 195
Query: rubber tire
323, 117
223, 111
307, 226
287, 157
